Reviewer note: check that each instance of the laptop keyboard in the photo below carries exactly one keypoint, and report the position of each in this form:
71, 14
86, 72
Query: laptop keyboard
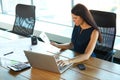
62, 67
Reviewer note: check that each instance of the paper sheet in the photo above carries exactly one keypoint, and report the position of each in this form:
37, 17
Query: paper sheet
44, 37
17, 55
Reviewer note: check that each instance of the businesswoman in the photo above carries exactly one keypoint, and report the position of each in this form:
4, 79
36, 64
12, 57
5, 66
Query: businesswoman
84, 36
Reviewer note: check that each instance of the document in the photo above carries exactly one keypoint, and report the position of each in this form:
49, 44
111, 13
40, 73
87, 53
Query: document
49, 47
15, 54
44, 37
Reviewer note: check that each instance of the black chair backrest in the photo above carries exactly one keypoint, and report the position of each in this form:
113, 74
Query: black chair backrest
24, 20
106, 22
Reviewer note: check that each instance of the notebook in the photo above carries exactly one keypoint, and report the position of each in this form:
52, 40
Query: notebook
45, 61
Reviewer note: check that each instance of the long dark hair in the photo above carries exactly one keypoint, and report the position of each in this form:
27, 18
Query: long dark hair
82, 11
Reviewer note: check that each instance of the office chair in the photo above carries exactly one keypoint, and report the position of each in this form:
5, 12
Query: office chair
106, 22
24, 20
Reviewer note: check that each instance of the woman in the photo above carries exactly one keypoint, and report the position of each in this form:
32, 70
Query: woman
84, 37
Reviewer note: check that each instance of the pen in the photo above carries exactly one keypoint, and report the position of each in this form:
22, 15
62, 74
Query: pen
8, 53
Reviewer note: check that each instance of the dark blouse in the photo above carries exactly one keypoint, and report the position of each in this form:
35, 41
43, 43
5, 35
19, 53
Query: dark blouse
80, 38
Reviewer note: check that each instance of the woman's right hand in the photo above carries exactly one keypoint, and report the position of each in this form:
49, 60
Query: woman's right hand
63, 62
54, 44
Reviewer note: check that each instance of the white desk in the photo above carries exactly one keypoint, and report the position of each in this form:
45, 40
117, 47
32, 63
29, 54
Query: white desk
19, 45
12, 42
8, 36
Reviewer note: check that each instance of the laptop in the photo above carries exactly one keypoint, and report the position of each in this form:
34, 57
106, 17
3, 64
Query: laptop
45, 61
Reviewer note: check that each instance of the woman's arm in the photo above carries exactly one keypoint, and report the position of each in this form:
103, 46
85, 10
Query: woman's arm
63, 46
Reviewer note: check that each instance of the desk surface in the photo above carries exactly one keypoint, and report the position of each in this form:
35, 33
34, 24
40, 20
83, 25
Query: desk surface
96, 69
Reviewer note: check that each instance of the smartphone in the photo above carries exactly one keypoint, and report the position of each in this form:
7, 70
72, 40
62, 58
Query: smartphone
34, 40
81, 66
19, 66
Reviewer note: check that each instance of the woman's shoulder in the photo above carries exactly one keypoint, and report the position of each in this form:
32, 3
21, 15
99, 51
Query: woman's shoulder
95, 32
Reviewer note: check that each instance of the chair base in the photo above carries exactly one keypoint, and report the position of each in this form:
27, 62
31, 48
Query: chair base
105, 55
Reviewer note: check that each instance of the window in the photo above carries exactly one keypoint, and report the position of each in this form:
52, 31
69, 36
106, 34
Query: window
9, 5
59, 11
0, 7
55, 11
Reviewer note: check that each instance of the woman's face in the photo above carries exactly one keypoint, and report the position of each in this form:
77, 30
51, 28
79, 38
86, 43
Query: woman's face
77, 20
